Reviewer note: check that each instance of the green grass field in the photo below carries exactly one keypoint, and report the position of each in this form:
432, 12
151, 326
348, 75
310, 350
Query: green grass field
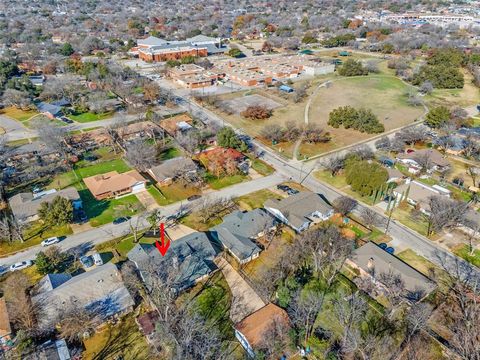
463, 251
220, 183
166, 195
89, 117
262, 167
34, 235
256, 199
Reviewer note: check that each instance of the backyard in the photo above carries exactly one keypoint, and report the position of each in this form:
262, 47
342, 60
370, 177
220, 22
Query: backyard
122, 340
104, 211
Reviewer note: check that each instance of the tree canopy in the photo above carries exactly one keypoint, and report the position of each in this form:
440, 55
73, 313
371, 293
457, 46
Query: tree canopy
227, 138
363, 120
437, 117
57, 212
352, 67
365, 177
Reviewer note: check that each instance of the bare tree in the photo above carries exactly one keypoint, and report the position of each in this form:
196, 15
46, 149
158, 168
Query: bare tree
473, 172
11, 229
140, 154
17, 98
54, 137
445, 212
303, 311
74, 321
344, 205
334, 164
364, 152
370, 217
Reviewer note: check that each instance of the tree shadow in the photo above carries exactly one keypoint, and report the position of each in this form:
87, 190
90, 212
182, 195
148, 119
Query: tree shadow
92, 206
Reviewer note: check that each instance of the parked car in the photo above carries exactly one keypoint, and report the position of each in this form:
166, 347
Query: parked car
194, 197
292, 191
50, 241
383, 246
81, 216
121, 220
66, 120
21, 265
284, 188
86, 261
97, 259
390, 250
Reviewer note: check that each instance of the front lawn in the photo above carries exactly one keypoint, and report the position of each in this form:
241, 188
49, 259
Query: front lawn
102, 212
262, 167
219, 183
403, 213
18, 114
463, 251
120, 341
34, 235
173, 193
256, 199
89, 116
123, 245
74, 177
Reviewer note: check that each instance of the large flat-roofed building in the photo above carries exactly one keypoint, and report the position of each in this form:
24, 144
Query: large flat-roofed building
155, 49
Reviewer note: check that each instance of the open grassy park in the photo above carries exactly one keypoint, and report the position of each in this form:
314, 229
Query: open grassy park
383, 93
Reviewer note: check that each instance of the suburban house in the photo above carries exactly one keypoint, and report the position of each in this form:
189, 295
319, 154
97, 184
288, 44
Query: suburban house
5, 328
100, 291
25, 206
250, 331
239, 230
394, 175
88, 141
471, 223
113, 184
418, 194
49, 110
415, 160
167, 171
370, 260
177, 124
144, 129
192, 255
300, 210
223, 155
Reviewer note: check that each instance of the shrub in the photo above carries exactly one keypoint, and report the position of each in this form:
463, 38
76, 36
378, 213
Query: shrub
257, 112
352, 68
363, 120
365, 177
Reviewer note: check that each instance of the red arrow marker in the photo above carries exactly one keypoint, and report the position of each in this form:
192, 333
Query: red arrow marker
164, 245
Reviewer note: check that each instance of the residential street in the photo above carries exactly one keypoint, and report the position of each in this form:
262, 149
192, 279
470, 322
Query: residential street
107, 232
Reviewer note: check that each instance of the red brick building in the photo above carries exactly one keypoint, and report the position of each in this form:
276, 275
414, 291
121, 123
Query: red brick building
174, 53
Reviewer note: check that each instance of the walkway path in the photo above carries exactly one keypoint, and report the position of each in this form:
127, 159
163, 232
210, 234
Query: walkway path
244, 299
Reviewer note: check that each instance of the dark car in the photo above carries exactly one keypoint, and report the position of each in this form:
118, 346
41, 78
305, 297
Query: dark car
194, 197
81, 216
390, 250
121, 220
383, 246
66, 120
292, 191
284, 188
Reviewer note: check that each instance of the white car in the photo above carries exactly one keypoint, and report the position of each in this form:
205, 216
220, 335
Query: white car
50, 241
21, 265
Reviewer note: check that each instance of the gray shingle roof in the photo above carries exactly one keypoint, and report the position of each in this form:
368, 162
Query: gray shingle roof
172, 167
298, 207
24, 205
50, 282
383, 262
193, 254
238, 228
100, 290
151, 41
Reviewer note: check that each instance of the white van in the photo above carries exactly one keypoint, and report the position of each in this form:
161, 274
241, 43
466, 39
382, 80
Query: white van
97, 259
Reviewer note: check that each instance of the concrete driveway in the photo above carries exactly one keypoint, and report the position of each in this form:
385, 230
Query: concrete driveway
244, 299
147, 200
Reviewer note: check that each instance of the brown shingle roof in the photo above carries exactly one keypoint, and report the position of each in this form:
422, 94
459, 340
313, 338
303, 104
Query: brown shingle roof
170, 124
435, 156
254, 326
112, 181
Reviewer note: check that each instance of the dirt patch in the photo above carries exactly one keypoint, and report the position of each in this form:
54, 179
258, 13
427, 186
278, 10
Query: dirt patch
239, 104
